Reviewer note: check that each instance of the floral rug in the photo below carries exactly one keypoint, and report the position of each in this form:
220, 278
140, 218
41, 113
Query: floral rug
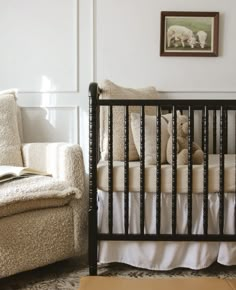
66, 275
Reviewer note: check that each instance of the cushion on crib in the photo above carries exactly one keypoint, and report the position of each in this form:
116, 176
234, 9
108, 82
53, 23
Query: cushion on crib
113, 91
150, 137
166, 176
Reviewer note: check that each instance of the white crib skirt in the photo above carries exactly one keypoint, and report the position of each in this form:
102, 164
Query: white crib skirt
166, 255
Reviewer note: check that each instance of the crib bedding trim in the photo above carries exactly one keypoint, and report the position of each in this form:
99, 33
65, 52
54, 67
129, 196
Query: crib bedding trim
168, 104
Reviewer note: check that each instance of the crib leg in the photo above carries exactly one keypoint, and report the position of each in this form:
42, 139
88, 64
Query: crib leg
92, 249
93, 270
93, 259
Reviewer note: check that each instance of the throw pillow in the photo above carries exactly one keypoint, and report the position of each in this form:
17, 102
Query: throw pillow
150, 137
10, 145
113, 91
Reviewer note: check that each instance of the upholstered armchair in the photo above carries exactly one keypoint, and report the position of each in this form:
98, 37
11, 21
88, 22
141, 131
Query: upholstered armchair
43, 219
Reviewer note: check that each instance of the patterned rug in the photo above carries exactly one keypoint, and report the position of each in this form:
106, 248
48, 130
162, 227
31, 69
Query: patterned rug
65, 275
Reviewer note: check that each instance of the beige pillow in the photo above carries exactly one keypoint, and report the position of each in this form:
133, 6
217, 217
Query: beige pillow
150, 137
113, 91
10, 144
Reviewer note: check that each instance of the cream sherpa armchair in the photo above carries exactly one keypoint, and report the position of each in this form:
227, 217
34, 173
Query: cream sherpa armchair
42, 218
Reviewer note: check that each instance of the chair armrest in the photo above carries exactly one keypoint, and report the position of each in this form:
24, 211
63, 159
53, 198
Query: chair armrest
64, 161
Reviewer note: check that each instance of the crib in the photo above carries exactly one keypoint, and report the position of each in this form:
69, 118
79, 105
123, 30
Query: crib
132, 205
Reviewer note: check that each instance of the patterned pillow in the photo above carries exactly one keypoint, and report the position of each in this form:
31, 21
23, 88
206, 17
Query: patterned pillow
113, 91
10, 144
150, 137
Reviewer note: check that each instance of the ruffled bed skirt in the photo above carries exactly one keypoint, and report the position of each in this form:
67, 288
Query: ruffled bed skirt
166, 255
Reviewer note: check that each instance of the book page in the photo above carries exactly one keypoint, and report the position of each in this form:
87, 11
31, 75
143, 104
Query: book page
8, 172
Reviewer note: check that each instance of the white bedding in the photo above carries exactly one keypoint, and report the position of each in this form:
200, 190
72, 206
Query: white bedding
166, 255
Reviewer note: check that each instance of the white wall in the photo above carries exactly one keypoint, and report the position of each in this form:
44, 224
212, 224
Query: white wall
40, 50
128, 37
128, 50
45, 53
51, 49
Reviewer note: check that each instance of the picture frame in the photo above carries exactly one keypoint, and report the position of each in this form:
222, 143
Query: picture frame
184, 33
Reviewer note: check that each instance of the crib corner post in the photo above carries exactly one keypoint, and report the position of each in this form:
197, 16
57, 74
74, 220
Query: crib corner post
93, 158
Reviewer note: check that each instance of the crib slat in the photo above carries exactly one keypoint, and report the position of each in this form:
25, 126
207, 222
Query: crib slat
221, 175
93, 156
214, 131
158, 170
126, 171
174, 168
226, 132
202, 128
235, 174
142, 169
205, 170
190, 167
110, 169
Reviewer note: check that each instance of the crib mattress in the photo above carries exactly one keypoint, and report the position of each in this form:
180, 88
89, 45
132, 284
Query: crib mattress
166, 176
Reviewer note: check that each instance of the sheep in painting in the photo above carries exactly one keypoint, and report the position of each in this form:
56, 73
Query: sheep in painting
202, 36
182, 34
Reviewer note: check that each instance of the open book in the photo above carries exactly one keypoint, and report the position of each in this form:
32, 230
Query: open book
12, 172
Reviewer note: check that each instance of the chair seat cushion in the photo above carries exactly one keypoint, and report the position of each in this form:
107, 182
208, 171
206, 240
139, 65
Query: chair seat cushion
36, 192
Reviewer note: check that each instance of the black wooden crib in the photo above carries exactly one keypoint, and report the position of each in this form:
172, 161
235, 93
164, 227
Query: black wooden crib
215, 129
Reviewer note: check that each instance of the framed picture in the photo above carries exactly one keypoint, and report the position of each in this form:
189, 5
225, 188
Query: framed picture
189, 33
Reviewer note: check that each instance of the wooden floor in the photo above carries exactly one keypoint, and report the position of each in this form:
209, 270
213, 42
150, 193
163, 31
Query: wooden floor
116, 283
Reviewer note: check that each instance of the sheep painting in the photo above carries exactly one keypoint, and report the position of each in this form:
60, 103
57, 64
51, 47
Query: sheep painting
189, 33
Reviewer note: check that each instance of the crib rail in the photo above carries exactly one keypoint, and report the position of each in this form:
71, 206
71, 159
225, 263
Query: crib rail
217, 110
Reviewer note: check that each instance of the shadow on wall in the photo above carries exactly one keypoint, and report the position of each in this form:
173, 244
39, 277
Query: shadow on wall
37, 126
